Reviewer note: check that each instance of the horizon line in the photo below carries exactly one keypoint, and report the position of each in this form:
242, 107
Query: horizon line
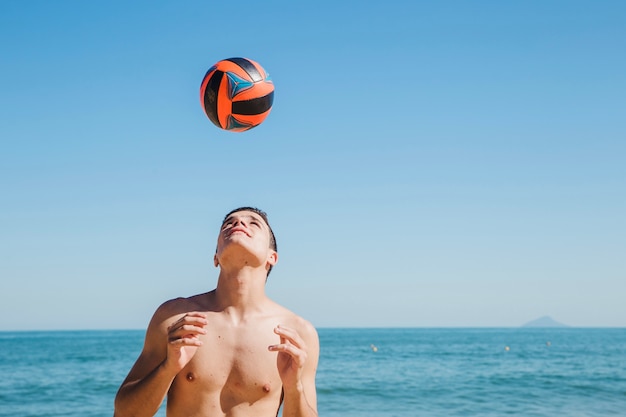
343, 327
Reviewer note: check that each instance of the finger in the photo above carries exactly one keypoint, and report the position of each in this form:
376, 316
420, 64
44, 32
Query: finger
193, 317
185, 341
289, 334
192, 326
183, 337
195, 314
298, 354
186, 330
198, 319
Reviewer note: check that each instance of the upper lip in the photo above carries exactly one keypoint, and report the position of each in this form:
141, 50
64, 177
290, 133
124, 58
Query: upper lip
238, 229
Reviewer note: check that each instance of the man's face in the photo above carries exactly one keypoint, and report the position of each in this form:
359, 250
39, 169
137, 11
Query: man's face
247, 231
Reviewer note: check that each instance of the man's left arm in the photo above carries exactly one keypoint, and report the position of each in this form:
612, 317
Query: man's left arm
298, 356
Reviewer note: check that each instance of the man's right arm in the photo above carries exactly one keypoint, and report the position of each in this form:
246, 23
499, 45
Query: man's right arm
171, 341
139, 397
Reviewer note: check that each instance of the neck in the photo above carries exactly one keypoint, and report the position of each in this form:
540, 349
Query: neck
241, 291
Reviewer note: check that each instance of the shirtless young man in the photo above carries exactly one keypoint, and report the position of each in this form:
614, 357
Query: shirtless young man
229, 352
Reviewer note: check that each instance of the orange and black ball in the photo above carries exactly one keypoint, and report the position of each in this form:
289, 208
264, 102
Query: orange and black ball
237, 94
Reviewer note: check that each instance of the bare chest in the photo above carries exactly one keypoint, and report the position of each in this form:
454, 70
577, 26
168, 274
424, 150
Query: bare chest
233, 367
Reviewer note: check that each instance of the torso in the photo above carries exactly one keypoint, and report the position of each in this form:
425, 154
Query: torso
233, 374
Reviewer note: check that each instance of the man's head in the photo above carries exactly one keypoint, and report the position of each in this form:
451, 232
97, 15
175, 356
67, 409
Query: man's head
237, 215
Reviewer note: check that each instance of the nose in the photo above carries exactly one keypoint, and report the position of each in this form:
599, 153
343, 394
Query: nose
239, 221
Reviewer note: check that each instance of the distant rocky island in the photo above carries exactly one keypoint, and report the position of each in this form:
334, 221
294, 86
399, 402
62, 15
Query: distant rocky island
545, 321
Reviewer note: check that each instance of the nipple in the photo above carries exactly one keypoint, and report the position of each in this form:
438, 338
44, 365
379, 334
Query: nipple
267, 388
190, 376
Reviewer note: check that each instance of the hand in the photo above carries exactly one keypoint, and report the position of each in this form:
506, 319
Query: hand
183, 340
291, 357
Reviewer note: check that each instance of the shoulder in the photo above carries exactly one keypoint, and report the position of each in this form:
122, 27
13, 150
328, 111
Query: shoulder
304, 327
309, 341
172, 310
163, 317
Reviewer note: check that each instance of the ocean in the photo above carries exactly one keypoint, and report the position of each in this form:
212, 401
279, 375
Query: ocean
362, 372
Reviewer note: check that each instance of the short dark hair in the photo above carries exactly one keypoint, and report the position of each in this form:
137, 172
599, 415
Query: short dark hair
263, 215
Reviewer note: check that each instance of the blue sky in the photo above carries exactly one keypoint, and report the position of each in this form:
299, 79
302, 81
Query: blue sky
426, 164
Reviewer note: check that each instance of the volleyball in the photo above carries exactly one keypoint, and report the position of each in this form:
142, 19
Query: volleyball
237, 94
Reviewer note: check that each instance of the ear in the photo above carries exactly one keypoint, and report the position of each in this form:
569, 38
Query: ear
215, 261
272, 258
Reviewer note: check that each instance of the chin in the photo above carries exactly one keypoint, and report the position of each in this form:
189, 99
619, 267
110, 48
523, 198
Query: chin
239, 245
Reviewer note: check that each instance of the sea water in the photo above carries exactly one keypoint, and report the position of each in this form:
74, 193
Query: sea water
362, 372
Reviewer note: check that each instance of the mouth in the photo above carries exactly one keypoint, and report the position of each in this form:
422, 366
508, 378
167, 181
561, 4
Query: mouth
238, 230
